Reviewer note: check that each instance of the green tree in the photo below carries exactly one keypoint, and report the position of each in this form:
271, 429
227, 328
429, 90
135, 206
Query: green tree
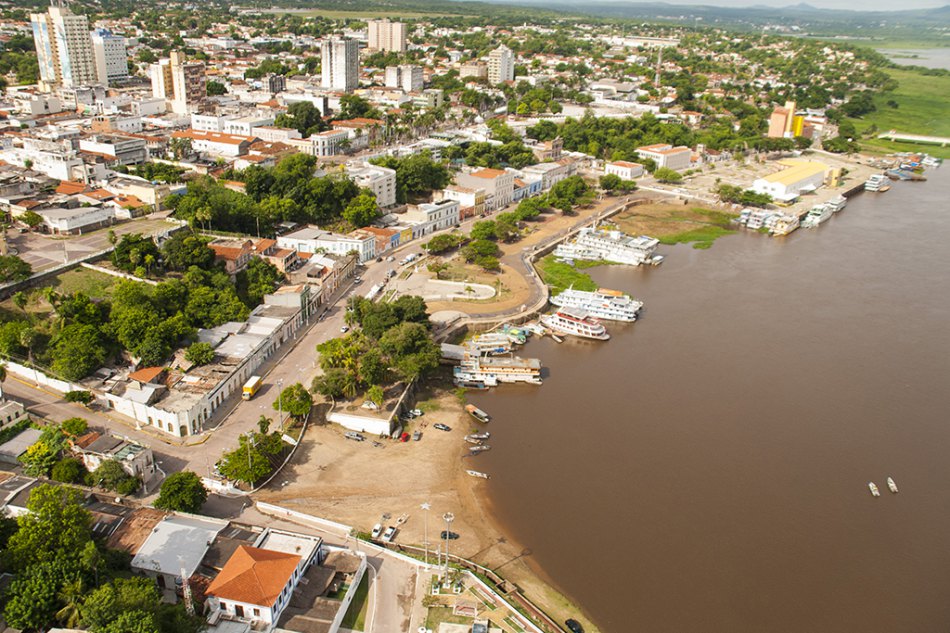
12, 268
31, 218
109, 475
665, 174
182, 492
74, 426
68, 470
259, 278
80, 396
184, 249
361, 210
40, 458
123, 595
484, 230
32, 597
56, 528
20, 299
610, 182
131, 250
295, 400
375, 395
76, 351
247, 463
411, 349
215, 88
199, 353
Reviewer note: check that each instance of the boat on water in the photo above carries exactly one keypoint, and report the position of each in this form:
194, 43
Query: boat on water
837, 203
891, 485
481, 448
576, 322
474, 381
592, 243
603, 303
497, 369
873, 488
816, 215
481, 435
477, 413
876, 183
785, 224
475, 473
471, 439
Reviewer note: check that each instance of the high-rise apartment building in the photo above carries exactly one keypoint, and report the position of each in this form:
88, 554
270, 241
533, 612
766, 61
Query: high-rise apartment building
63, 47
501, 65
112, 60
408, 77
387, 36
340, 64
179, 81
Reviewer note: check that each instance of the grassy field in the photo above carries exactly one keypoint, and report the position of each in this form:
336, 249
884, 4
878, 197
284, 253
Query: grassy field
355, 618
674, 224
921, 109
93, 284
559, 275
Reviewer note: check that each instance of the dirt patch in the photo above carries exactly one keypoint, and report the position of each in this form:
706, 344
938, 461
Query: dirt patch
357, 484
660, 219
513, 291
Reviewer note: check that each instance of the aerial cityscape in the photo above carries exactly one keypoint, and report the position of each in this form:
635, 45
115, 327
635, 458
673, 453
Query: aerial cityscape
430, 316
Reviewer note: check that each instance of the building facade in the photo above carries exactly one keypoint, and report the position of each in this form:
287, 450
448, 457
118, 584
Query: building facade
501, 65
387, 36
340, 64
63, 47
112, 60
407, 77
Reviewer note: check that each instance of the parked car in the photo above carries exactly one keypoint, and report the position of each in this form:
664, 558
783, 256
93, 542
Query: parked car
442, 427
416, 413
353, 435
390, 259
574, 626
379, 259
416, 436
389, 534
345, 329
377, 530
446, 535
357, 280
404, 437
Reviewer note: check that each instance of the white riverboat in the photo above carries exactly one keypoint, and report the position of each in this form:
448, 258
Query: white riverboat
575, 322
611, 305
873, 488
816, 215
837, 203
892, 485
496, 369
611, 246
785, 224
876, 183
475, 473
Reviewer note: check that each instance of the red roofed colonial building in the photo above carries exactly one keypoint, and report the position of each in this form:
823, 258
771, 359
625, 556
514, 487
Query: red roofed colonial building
255, 584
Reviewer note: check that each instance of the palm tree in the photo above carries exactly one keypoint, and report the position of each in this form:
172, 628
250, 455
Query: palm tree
3, 376
149, 262
71, 595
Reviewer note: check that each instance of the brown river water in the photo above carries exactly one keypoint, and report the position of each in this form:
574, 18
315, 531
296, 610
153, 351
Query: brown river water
706, 469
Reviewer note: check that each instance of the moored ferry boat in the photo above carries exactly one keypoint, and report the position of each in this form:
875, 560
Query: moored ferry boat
576, 322
610, 245
816, 215
785, 224
875, 183
612, 305
477, 413
837, 203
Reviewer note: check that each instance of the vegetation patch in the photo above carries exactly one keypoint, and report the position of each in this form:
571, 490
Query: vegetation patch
560, 276
700, 238
355, 618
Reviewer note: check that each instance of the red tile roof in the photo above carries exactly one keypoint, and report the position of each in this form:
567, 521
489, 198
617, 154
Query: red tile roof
147, 374
254, 576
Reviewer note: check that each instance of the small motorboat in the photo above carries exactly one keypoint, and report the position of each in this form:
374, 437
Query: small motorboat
892, 485
477, 413
873, 488
481, 435
481, 448
475, 473
471, 439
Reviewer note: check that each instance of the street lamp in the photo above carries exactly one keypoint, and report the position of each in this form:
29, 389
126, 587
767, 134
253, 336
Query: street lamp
448, 517
425, 506
280, 403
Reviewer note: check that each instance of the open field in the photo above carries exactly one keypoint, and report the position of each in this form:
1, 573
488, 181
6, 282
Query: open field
675, 224
93, 284
922, 109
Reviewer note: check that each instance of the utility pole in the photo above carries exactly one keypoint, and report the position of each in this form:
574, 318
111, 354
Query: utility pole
425, 506
448, 517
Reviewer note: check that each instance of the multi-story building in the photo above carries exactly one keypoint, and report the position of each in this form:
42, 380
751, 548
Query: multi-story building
432, 216
478, 70
665, 155
782, 121
408, 77
501, 65
329, 143
112, 60
380, 180
313, 239
387, 36
340, 64
63, 47
624, 169
498, 185
471, 200
180, 82
275, 83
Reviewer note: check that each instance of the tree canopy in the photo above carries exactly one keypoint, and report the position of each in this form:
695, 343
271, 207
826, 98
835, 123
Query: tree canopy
182, 492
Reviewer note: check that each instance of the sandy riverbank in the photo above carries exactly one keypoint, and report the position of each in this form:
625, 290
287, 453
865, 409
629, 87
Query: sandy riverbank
357, 484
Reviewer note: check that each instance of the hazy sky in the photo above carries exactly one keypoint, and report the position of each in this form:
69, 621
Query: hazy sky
863, 5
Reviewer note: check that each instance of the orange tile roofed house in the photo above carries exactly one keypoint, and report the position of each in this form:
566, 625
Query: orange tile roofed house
255, 582
147, 374
70, 187
488, 173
